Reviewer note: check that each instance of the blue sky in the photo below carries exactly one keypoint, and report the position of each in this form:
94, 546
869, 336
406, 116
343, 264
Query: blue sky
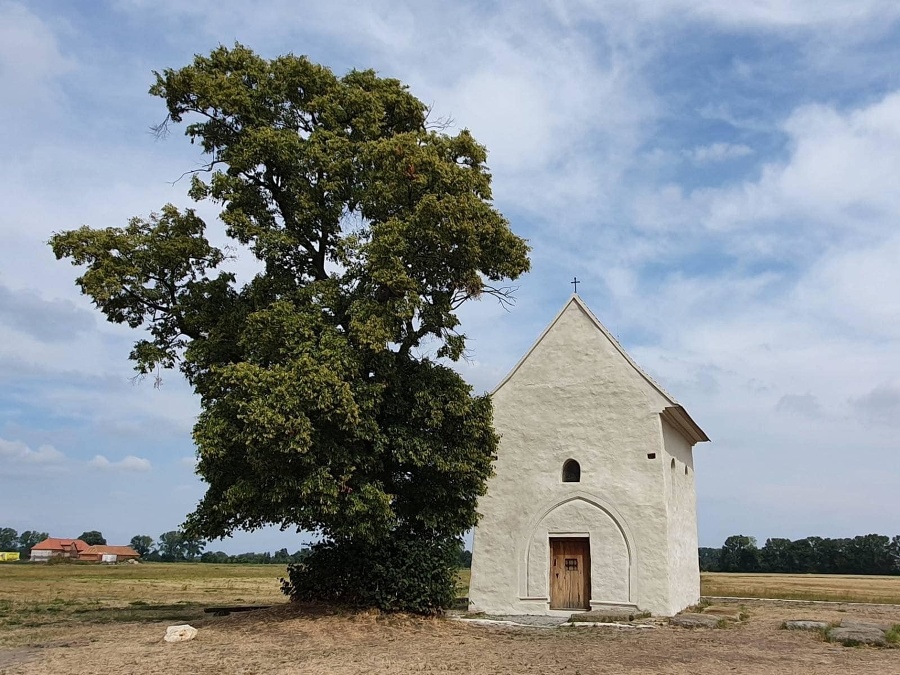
722, 176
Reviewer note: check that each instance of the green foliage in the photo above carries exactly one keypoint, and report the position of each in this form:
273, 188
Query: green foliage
778, 555
177, 545
739, 554
893, 635
403, 571
28, 539
280, 557
9, 539
93, 538
709, 559
464, 558
323, 406
142, 543
864, 554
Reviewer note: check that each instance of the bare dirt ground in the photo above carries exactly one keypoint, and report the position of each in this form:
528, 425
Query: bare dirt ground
289, 639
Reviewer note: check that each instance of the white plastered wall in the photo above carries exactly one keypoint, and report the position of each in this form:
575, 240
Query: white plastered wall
575, 396
684, 566
582, 516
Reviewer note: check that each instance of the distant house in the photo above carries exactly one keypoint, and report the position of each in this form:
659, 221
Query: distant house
58, 548
108, 554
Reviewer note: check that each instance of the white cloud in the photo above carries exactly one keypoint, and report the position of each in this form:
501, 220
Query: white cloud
834, 192
752, 14
19, 452
129, 463
718, 152
30, 60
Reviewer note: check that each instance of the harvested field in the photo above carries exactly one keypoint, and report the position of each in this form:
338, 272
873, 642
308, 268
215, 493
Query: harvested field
94, 620
36, 595
827, 587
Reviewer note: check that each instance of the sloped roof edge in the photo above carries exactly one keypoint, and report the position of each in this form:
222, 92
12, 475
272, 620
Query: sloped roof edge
678, 417
59, 543
684, 422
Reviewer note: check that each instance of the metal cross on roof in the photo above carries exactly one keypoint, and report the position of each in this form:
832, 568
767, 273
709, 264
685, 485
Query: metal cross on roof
575, 283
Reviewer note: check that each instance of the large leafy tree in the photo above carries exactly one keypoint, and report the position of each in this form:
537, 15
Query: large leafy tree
9, 539
93, 538
325, 404
179, 545
739, 554
29, 539
142, 544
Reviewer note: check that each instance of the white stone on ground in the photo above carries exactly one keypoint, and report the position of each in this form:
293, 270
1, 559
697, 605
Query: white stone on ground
180, 633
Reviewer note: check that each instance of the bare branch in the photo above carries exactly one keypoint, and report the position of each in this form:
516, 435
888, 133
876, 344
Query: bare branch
505, 295
203, 169
161, 131
438, 124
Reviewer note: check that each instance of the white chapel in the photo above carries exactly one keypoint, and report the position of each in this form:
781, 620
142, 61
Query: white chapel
592, 503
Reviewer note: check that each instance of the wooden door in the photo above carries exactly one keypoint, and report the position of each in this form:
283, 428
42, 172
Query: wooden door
570, 573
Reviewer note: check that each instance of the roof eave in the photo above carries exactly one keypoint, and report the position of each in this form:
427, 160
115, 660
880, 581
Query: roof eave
678, 417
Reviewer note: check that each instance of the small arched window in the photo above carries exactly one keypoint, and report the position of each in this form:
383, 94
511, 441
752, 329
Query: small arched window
673, 464
571, 472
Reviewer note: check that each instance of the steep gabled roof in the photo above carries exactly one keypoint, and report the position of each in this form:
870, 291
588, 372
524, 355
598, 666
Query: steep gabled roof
56, 544
674, 413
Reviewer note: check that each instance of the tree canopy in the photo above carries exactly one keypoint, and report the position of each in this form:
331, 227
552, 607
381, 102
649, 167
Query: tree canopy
326, 405
179, 545
93, 538
29, 539
142, 544
864, 554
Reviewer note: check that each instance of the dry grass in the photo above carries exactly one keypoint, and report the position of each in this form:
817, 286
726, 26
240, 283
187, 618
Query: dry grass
292, 639
115, 617
34, 595
829, 587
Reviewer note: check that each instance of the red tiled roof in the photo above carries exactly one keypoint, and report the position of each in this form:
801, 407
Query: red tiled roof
55, 544
110, 550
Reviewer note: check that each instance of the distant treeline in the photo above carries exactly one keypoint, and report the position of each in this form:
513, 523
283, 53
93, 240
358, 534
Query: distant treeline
174, 546
280, 557
866, 554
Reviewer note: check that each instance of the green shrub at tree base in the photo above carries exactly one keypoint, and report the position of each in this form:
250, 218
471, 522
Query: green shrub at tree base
403, 572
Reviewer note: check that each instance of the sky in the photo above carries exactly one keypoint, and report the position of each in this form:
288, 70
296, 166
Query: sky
722, 177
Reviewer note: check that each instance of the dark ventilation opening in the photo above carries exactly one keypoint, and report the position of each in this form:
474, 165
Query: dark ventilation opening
651, 455
571, 472
673, 465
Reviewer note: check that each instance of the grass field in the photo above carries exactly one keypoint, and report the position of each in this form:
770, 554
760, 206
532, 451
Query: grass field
114, 617
34, 595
